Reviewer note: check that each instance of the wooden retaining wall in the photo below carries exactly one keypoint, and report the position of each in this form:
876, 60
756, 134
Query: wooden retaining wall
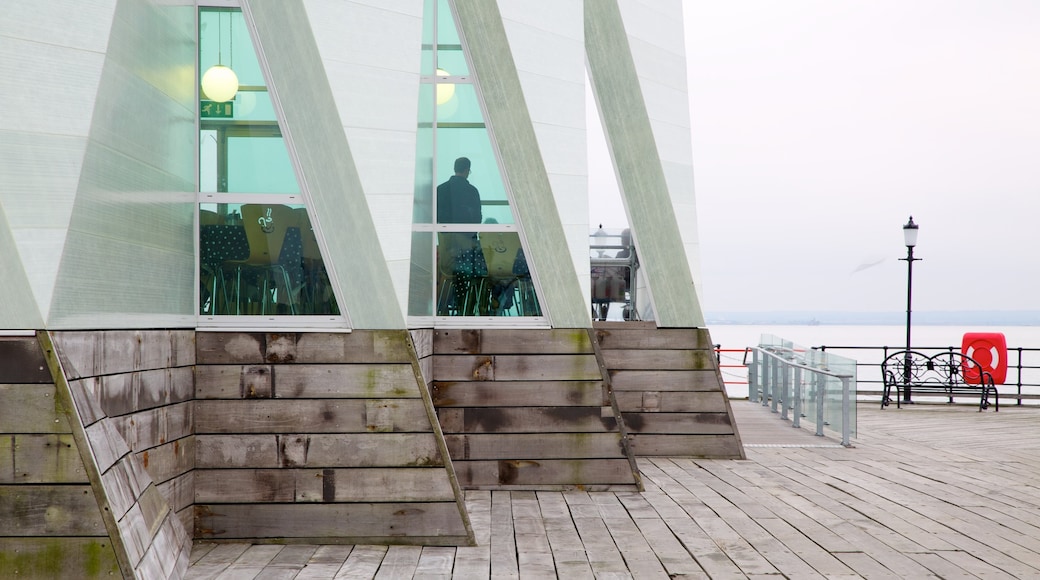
50, 522
321, 438
528, 409
669, 389
130, 395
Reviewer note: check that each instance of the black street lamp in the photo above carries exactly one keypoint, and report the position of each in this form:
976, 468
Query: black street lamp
910, 237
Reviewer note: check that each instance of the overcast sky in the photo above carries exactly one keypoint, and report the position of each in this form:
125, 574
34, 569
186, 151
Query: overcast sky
820, 126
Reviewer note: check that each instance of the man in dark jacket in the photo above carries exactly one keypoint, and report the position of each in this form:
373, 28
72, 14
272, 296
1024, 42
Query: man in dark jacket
458, 202
460, 254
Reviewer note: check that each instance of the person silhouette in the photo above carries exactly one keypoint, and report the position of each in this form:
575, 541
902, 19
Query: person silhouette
460, 255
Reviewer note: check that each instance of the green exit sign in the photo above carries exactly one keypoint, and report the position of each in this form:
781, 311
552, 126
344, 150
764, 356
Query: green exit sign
209, 109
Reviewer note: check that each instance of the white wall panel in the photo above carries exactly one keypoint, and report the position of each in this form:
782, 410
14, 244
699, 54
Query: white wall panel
299, 37
378, 34
81, 24
563, 149
63, 80
51, 59
130, 244
547, 41
656, 41
371, 54
554, 102
373, 97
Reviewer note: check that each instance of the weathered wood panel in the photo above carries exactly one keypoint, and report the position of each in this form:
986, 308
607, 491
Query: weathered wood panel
437, 523
179, 491
230, 348
536, 419
519, 394
579, 367
155, 427
21, 361
245, 485
50, 558
305, 381
571, 367
235, 451
321, 450
512, 341
169, 460
714, 446
233, 382
84, 395
423, 340
123, 484
372, 381
31, 408
385, 346
650, 380
393, 484
626, 338
565, 473
373, 346
679, 423
40, 459
142, 521
659, 360
106, 444
50, 510
671, 401
418, 484
318, 415
79, 353
535, 446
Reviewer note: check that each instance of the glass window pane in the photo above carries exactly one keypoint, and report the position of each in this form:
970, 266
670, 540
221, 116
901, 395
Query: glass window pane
483, 274
475, 144
259, 165
420, 294
457, 104
260, 259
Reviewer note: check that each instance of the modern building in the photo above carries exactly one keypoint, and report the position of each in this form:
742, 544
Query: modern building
304, 270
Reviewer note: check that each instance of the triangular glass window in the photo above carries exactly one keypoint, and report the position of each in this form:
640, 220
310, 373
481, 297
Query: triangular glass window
467, 255
258, 254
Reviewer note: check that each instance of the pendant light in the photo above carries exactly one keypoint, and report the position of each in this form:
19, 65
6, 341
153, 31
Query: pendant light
220, 83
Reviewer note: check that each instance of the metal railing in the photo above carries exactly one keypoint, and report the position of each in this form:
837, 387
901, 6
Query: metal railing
777, 378
1022, 382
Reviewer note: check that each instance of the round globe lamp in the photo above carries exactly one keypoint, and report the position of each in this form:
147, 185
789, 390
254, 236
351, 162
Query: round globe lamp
220, 84
445, 91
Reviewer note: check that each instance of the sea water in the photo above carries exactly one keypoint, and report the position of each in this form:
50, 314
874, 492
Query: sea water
740, 336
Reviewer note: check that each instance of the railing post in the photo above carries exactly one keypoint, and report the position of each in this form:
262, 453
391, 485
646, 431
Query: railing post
776, 383
752, 379
846, 428
767, 387
785, 392
766, 362
797, 397
1019, 375
821, 384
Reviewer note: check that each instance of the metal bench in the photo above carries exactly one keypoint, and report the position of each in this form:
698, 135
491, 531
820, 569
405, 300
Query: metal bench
948, 374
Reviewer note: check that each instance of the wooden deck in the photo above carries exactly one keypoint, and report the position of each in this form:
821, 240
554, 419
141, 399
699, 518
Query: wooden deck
926, 491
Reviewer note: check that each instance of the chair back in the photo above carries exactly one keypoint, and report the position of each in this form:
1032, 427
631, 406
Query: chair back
500, 253
266, 227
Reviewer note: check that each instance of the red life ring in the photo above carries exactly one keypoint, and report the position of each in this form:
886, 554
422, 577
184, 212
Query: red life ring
989, 349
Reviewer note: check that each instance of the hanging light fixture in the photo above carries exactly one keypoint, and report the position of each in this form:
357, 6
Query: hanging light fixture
220, 83
445, 91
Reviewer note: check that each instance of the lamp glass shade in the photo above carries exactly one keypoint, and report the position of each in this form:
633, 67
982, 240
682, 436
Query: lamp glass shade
445, 91
910, 233
220, 84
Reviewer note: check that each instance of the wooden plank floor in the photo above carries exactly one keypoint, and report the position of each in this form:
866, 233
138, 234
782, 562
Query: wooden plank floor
925, 492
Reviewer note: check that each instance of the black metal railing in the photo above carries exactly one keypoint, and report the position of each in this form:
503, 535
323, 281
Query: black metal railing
1022, 382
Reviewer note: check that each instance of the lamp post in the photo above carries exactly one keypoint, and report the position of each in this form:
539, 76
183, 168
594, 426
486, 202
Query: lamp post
910, 237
